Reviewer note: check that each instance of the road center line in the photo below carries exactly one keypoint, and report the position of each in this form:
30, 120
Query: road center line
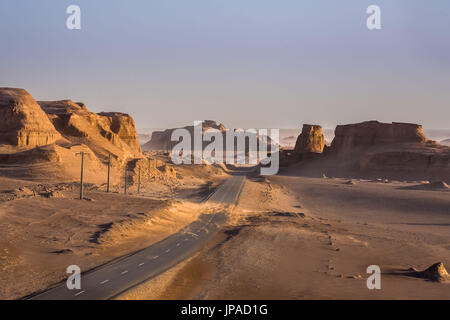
141, 264
123, 272
178, 244
104, 281
155, 257
168, 250
77, 294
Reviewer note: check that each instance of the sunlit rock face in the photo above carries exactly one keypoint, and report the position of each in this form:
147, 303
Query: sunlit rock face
22, 121
311, 140
104, 133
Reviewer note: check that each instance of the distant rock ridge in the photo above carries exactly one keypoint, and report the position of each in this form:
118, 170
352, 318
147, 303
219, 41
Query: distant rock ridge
310, 140
161, 140
22, 121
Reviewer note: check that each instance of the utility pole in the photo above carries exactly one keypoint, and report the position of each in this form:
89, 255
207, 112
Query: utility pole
139, 179
82, 175
126, 171
109, 170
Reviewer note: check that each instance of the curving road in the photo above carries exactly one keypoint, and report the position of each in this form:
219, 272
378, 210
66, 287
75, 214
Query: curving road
124, 273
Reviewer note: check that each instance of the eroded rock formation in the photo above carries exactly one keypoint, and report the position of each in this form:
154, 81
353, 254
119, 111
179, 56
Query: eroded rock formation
370, 133
161, 140
45, 138
104, 133
123, 125
22, 121
394, 150
373, 149
311, 140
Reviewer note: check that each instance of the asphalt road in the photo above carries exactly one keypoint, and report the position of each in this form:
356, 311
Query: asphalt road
115, 277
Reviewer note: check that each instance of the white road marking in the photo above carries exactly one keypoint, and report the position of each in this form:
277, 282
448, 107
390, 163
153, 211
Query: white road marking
104, 281
178, 244
168, 250
123, 272
77, 294
155, 257
141, 264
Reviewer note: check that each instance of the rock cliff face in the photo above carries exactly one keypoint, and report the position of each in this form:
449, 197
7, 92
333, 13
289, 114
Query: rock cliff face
123, 125
22, 121
311, 140
371, 133
113, 132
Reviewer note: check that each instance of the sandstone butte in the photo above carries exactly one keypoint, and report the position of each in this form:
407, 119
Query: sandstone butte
373, 149
370, 133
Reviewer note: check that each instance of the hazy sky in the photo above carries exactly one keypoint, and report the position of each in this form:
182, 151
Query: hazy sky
245, 63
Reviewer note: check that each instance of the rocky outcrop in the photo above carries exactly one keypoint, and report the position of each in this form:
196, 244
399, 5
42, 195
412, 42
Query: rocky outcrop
123, 125
22, 121
161, 140
371, 133
103, 133
44, 139
311, 140
393, 150
372, 149
396, 151
435, 273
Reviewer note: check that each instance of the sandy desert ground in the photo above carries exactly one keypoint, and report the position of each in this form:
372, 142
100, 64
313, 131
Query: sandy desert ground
45, 227
308, 238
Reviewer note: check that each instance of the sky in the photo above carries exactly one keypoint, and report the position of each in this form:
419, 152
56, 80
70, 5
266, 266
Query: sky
244, 63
